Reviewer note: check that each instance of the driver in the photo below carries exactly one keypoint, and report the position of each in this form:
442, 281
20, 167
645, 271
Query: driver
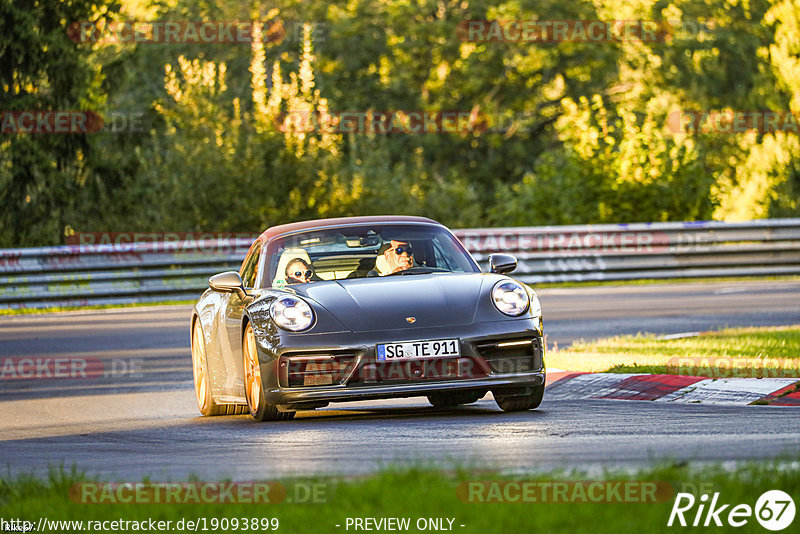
299, 272
398, 256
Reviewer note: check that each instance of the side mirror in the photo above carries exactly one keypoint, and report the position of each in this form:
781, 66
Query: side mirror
502, 263
227, 282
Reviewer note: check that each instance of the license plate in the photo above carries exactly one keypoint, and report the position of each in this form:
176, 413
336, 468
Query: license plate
440, 348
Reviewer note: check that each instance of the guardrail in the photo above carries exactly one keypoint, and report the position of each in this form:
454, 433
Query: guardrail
80, 275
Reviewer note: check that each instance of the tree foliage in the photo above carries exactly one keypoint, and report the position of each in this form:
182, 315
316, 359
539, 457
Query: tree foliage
587, 131
42, 176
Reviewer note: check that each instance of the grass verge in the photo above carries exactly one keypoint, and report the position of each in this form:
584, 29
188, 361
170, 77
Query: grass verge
516, 504
734, 352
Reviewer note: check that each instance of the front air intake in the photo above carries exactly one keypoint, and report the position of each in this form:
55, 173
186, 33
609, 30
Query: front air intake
512, 355
315, 369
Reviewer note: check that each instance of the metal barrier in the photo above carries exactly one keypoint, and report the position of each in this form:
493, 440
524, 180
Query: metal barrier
606, 252
81, 275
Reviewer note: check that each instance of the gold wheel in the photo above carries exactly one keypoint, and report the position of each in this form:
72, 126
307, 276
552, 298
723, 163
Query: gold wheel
260, 409
252, 371
202, 388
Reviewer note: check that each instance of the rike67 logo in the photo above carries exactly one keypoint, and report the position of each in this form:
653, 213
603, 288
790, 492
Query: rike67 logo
774, 510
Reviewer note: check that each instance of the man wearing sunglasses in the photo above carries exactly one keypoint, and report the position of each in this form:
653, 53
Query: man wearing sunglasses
299, 272
397, 255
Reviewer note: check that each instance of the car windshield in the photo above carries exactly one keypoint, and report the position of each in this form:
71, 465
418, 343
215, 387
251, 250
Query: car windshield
363, 251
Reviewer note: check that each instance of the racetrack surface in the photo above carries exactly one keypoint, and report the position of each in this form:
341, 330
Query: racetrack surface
143, 419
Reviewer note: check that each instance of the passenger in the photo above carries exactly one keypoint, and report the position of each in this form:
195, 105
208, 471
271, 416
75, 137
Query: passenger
299, 272
397, 256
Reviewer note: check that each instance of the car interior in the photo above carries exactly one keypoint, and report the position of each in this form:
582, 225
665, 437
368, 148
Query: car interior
335, 255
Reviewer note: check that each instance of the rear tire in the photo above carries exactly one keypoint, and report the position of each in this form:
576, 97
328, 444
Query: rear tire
257, 404
448, 400
519, 403
202, 384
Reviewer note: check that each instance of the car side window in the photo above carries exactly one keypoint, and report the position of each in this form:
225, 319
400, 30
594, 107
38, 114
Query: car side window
250, 265
440, 257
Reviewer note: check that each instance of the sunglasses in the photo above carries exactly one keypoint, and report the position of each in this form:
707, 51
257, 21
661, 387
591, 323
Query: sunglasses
405, 249
302, 274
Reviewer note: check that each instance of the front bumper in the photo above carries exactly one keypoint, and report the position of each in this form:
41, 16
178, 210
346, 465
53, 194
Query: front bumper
302, 397
362, 346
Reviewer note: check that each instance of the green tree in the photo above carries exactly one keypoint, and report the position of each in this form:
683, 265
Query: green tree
41, 69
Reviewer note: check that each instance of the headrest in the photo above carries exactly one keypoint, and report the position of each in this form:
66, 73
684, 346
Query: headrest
381, 265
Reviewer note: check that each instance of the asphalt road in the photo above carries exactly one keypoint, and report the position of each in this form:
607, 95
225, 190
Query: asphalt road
140, 418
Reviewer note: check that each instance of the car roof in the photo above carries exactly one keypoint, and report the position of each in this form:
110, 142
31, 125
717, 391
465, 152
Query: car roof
275, 231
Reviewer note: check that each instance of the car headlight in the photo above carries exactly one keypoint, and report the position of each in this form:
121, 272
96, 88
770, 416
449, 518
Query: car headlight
291, 313
510, 297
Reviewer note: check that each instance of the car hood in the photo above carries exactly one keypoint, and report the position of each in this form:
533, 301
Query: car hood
379, 303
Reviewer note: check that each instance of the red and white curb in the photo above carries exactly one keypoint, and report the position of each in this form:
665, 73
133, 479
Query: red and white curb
566, 385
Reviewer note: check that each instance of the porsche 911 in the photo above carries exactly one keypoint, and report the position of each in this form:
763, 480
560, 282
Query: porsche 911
361, 308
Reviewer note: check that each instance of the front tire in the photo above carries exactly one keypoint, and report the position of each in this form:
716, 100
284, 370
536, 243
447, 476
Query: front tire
260, 409
519, 403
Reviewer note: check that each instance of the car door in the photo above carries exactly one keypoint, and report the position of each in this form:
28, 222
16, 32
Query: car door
232, 321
